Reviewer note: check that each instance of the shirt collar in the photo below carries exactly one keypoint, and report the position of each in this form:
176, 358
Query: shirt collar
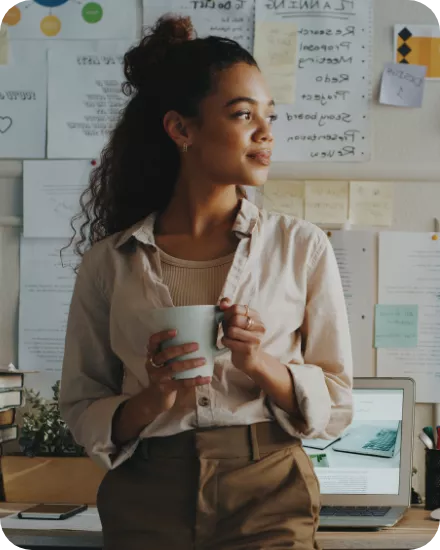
143, 231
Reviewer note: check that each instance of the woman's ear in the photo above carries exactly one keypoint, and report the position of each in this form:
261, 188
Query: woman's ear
177, 128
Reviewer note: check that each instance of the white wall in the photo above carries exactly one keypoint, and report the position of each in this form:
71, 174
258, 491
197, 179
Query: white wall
406, 147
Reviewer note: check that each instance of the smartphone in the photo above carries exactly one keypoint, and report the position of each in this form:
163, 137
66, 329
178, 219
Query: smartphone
52, 511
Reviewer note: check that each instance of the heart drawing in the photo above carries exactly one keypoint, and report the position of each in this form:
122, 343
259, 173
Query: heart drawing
5, 124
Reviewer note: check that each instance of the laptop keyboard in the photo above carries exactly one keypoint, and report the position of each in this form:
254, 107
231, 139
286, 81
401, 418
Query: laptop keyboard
355, 511
384, 441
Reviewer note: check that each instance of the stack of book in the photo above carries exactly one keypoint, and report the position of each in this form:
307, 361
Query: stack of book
11, 397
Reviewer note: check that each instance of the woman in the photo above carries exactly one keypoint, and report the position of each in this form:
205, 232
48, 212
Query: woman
202, 463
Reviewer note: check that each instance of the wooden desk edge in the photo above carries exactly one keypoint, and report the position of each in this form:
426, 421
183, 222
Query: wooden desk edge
414, 531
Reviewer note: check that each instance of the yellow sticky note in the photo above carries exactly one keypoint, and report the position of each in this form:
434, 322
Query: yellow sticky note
4, 45
326, 201
276, 53
285, 197
371, 203
419, 45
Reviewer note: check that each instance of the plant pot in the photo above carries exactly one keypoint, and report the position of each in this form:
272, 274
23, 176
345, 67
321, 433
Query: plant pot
72, 480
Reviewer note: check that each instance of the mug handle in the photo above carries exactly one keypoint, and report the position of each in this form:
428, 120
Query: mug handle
219, 316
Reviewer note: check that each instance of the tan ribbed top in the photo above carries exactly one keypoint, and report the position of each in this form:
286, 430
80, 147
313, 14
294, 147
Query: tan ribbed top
193, 283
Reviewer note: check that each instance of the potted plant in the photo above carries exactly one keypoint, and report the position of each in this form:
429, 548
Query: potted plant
51, 466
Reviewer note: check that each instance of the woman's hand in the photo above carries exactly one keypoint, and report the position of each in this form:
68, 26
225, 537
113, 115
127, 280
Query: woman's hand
163, 389
244, 331
143, 408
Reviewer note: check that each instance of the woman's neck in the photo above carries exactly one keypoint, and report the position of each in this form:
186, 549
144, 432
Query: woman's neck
198, 211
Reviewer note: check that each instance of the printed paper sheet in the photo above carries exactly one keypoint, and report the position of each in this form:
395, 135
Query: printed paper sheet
329, 120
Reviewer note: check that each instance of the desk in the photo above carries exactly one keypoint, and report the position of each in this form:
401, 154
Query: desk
414, 531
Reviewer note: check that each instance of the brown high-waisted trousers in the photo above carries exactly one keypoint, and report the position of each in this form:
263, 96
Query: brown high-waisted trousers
233, 488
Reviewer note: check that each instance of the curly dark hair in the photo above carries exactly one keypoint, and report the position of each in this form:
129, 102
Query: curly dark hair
169, 69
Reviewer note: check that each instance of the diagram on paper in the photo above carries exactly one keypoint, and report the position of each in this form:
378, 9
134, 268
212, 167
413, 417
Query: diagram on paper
71, 19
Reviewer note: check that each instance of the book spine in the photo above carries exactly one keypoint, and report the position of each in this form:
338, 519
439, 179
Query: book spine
7, 417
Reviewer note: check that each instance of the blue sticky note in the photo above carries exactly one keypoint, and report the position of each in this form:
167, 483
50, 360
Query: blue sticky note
396, 326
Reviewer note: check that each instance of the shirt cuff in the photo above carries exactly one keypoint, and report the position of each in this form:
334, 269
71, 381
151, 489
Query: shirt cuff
313, 400
97, 440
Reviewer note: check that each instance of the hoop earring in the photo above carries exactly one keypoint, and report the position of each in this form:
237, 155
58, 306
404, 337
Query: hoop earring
185, 148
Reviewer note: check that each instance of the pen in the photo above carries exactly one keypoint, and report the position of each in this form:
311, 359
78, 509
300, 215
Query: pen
427, 441
430, 433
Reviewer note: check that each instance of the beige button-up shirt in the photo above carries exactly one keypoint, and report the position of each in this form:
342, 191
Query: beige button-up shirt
283, 267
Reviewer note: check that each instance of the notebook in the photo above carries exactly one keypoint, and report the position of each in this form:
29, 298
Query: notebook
365, 474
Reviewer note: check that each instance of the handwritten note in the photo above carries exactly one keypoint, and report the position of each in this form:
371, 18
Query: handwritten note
371, 203
90, 83
23, 99
51, 193
326, 201
275, 52
409, 273
45, 294
232, 19
403, 85
396, 326
330, 118
285, 197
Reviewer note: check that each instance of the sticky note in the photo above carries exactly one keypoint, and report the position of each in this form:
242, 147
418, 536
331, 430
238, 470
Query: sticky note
371, 203
418, 45
326, 201
285, 197
403, 85
4, 45
276, 53
396, 326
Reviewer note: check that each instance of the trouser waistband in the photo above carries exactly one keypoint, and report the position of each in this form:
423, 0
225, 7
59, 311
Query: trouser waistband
251, 441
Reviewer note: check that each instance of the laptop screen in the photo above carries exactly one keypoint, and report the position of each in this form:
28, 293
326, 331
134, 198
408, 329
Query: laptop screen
365, 460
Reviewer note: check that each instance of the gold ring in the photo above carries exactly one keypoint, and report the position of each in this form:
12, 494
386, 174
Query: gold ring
250, 323
246, 310
152, 363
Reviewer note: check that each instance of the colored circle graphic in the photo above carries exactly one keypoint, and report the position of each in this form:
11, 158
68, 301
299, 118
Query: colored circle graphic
50, 25
51, 3
12, 17
92, 12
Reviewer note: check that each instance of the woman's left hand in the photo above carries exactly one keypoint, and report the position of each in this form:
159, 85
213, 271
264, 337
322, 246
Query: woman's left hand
244, 331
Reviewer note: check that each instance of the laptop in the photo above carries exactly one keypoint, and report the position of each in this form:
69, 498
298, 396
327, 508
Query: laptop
372, 440
365, 473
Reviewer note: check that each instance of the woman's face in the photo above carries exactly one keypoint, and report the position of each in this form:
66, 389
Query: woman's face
232, 141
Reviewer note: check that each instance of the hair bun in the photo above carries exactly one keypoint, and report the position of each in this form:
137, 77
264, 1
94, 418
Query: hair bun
142, 60
172, 30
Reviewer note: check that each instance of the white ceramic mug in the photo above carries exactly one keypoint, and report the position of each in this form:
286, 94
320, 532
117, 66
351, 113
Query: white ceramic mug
193, 324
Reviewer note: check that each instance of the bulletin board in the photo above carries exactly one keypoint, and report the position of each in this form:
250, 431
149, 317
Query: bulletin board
405, 150
404, 142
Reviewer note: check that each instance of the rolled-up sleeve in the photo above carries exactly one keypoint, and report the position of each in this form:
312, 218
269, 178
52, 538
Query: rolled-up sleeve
323, 384
92, 374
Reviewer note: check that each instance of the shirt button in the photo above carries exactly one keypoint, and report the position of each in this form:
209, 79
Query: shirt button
203, 401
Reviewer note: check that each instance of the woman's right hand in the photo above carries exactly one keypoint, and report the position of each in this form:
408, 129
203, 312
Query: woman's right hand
143, 408
163, 389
